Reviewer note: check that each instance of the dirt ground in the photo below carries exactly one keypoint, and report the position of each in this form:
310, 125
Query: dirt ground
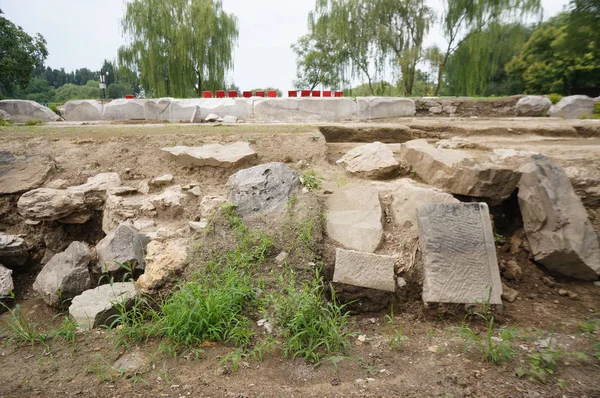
432, 361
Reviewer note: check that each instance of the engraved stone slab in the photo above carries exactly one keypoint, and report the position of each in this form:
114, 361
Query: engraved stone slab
459, 255
365, 270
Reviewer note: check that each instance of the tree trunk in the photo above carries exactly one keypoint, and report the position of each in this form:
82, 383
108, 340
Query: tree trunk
440, 75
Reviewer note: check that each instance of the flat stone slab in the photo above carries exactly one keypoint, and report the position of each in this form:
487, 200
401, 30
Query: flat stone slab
384, 107
215, 155
19, 173
459, 256
354, 217
373, 160
95, 307
364, 270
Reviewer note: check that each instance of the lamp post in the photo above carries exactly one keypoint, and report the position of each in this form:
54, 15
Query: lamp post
103, 77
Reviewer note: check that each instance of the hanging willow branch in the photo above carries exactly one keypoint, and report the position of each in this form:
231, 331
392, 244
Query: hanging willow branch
180, 47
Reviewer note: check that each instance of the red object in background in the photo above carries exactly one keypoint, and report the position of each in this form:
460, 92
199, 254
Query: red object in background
339, 93
292, 93
233, 94
316, 93
305, 93
326, 93
260, 94
247, 94
272, 93
130, 96
220, 93
207, 94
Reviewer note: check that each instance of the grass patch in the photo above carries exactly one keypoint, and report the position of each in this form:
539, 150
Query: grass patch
312, 180
23, 330
554, 98
310, 326
33, 122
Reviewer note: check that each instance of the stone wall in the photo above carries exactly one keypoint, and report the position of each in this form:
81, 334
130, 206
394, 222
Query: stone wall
467, 107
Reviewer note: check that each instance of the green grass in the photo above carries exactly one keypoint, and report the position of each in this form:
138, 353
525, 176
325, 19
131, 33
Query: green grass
311, 327
24, 331
554, 98
312, 180
397, 340
33, 122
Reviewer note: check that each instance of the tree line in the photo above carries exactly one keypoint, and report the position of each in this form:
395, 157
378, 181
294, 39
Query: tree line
180, 48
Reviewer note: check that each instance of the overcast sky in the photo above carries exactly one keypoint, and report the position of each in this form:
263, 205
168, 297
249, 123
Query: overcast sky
82, 33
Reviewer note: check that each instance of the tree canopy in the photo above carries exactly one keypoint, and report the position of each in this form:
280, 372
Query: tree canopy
180, 47
20, 54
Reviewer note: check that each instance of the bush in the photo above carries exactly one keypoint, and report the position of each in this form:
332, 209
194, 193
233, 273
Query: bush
554, 98
33, 122
54, 108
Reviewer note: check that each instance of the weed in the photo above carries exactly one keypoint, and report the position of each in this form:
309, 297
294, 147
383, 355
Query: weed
498, 238
341, 181
397, 341
136, 321
542, 365
33, 122
591, 326
311, 180
54, 108
310, 327
68, 331
390, 319
495, 345
233, 359
23, 330
5, 123
413, 174
125, 268
262, 348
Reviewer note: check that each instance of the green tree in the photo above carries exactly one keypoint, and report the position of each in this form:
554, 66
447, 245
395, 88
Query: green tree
317, 63
20, 54
550, 62
465, 18
186, 46
73, 92
117, 90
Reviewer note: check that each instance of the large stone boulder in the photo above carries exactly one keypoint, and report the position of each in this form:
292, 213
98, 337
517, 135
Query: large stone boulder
354, 218
407, 196
459, 254
185, 109
96, 307
5, 116
124, 245
304, 109
125, 109
559, 232
65, 276
20, 173
262, 188
374, 161
74, 205
384, 107
6, 281
533, 105
164, 260
573, 107
364, 270
215, 155
460, 172
22, 111
84, 110
13, 252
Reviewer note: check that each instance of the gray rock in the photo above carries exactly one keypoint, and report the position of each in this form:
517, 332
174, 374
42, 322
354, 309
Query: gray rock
65, 276
96, 307
13, 252
573, 107
407, 197
509, 294
57, 184
556, 224
230, 119
22, 111
131, 363
262, 188
164, 260
162, 180
19, 173
211, 118
374, 161
354, 217
384, 107
83, 110
210, 204
214, 155
459, 255
533, 105
198, 226
123, 245
5, 116
6, 281
460, 172
364, 270
197, 115
47, 204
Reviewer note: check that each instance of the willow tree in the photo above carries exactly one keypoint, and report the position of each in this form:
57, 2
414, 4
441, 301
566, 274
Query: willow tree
317, 63
465, 18
473, 67
370, 35
180, 47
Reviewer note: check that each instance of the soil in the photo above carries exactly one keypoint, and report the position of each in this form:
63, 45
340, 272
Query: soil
432, 361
